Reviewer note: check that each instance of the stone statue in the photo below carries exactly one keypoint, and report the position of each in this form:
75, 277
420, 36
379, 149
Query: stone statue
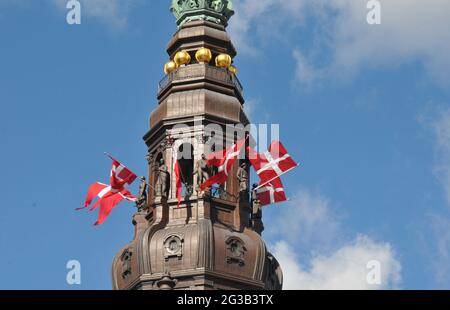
141, 202
202, 171
242, 176
254, 198
162, 185
257, 223
149, 158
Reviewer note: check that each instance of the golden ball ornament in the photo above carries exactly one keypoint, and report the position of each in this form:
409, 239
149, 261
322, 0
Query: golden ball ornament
223, 61
170, 67
233, 70
182, 58
203, 55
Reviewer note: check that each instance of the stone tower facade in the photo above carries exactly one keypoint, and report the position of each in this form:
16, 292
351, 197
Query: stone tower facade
213, 239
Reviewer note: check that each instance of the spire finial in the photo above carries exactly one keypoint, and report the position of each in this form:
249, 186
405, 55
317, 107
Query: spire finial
216, 11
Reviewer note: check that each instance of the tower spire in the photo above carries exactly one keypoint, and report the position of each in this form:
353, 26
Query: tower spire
211, 239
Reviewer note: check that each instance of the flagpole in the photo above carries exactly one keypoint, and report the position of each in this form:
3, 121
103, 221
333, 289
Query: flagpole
110, 156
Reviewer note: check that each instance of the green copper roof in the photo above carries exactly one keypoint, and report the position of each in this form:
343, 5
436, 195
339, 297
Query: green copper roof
216, 11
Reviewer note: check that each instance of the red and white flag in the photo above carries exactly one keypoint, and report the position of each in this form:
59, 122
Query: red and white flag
107, 204
95, 190
109, 196
107, 200
224, 161
120, 175
272, 164
177, 172
271, 193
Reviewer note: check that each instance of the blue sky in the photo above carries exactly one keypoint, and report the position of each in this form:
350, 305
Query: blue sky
365, 109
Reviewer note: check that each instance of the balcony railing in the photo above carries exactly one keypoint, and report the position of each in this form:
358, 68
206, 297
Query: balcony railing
198, 71
219, 192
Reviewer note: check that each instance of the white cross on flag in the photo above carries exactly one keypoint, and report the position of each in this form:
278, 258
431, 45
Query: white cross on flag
224, 161
272, 164
107, 199
271, 193
120, 175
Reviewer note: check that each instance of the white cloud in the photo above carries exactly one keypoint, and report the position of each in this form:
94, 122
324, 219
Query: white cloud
305, 72
332, 261
437, 233
442, 141
439, 246
410, 30
347, 268
298, 222
112, 12
250, 106
253, 21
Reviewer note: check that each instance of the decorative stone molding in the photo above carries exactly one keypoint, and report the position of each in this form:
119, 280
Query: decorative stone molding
235, 251
166, 283
173, 247
216, 11
126, 263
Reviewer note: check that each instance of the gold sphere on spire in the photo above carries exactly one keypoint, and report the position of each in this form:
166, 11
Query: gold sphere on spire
233, 70
203, 55
182, 58
170, 67
223, 61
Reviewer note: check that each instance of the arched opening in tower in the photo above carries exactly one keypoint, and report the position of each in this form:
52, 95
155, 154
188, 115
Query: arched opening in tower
186, 161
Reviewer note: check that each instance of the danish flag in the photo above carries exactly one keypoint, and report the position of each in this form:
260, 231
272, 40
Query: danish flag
95, 190
109, 196
120, 175
224, 161
272, 164
271, 193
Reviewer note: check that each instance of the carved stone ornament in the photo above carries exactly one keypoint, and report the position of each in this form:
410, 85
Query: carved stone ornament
126, 263
166, 283
203, 138
275, 275
149, 158
216, 11
166, 143
173, 247
202, 171
235, 251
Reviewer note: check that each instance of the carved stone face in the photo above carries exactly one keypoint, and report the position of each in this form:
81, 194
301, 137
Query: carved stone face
217, 5
193, 4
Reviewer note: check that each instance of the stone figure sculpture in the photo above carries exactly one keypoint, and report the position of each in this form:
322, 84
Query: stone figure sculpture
162, 185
